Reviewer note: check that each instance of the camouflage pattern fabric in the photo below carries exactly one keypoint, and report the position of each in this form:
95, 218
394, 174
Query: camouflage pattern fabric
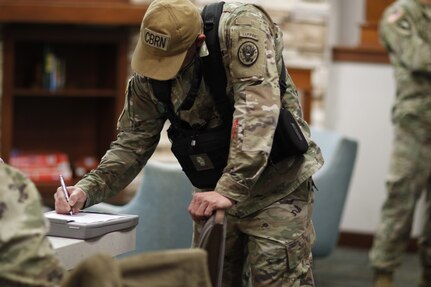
254, 90
252, 54
271, 247
406, 33
26, 256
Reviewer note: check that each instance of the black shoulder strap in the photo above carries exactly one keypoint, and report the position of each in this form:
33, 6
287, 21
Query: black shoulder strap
282, 78
162, 91
213, 69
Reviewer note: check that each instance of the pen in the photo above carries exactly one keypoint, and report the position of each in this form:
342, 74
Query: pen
66, 195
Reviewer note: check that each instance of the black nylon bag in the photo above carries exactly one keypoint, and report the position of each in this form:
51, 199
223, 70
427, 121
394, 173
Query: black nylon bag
288, 138
202, 155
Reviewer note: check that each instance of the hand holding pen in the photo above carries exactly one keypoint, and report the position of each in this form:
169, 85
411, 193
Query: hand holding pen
66, 194
69, 199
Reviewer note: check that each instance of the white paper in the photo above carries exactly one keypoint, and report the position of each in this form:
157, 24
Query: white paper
82, 217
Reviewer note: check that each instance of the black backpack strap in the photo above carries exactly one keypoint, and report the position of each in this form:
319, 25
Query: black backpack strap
194, 85
282, 78
162, 91
213, 70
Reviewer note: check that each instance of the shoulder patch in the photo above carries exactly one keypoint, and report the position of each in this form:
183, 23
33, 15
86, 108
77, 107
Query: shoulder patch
395, 15
404, 24
248, 53
250, 35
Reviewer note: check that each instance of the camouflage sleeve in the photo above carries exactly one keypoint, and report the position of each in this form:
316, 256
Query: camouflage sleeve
139, 128
26, 255
404, 34
253, 71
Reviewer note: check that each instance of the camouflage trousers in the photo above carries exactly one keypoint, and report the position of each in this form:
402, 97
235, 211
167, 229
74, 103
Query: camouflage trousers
409, 176
272, 247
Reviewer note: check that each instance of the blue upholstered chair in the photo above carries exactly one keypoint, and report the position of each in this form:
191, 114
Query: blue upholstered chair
161, 202
332, 182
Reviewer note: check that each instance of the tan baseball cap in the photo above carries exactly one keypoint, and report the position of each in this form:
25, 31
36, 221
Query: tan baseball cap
169, 28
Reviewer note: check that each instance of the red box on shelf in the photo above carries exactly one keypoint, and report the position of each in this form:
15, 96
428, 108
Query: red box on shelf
42, 166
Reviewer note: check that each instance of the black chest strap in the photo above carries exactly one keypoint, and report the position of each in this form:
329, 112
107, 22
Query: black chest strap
214, 72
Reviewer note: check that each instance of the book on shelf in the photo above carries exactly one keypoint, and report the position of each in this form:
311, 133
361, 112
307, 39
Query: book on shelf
54, 70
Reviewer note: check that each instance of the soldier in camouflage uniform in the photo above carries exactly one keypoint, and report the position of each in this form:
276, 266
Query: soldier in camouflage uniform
26, 256
269, 206
405, 32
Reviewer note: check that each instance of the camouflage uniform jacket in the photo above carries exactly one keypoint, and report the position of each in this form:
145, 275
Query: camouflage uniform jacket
253, 89
26, 256
405, 31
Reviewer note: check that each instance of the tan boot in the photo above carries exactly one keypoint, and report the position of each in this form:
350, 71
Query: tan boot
383, 279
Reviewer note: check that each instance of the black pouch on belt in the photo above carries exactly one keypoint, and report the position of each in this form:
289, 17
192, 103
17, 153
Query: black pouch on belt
202, 155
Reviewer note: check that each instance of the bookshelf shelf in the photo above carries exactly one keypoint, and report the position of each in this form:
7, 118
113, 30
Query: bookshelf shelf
34, 92
76, 117
95, 12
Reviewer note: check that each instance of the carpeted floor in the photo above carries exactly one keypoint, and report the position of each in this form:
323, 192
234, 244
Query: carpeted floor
347, 267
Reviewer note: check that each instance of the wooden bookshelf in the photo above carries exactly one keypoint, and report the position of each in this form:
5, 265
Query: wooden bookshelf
79, 118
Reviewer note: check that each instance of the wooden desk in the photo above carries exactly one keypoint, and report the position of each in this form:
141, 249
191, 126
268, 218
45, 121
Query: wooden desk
72, 251
302, 79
